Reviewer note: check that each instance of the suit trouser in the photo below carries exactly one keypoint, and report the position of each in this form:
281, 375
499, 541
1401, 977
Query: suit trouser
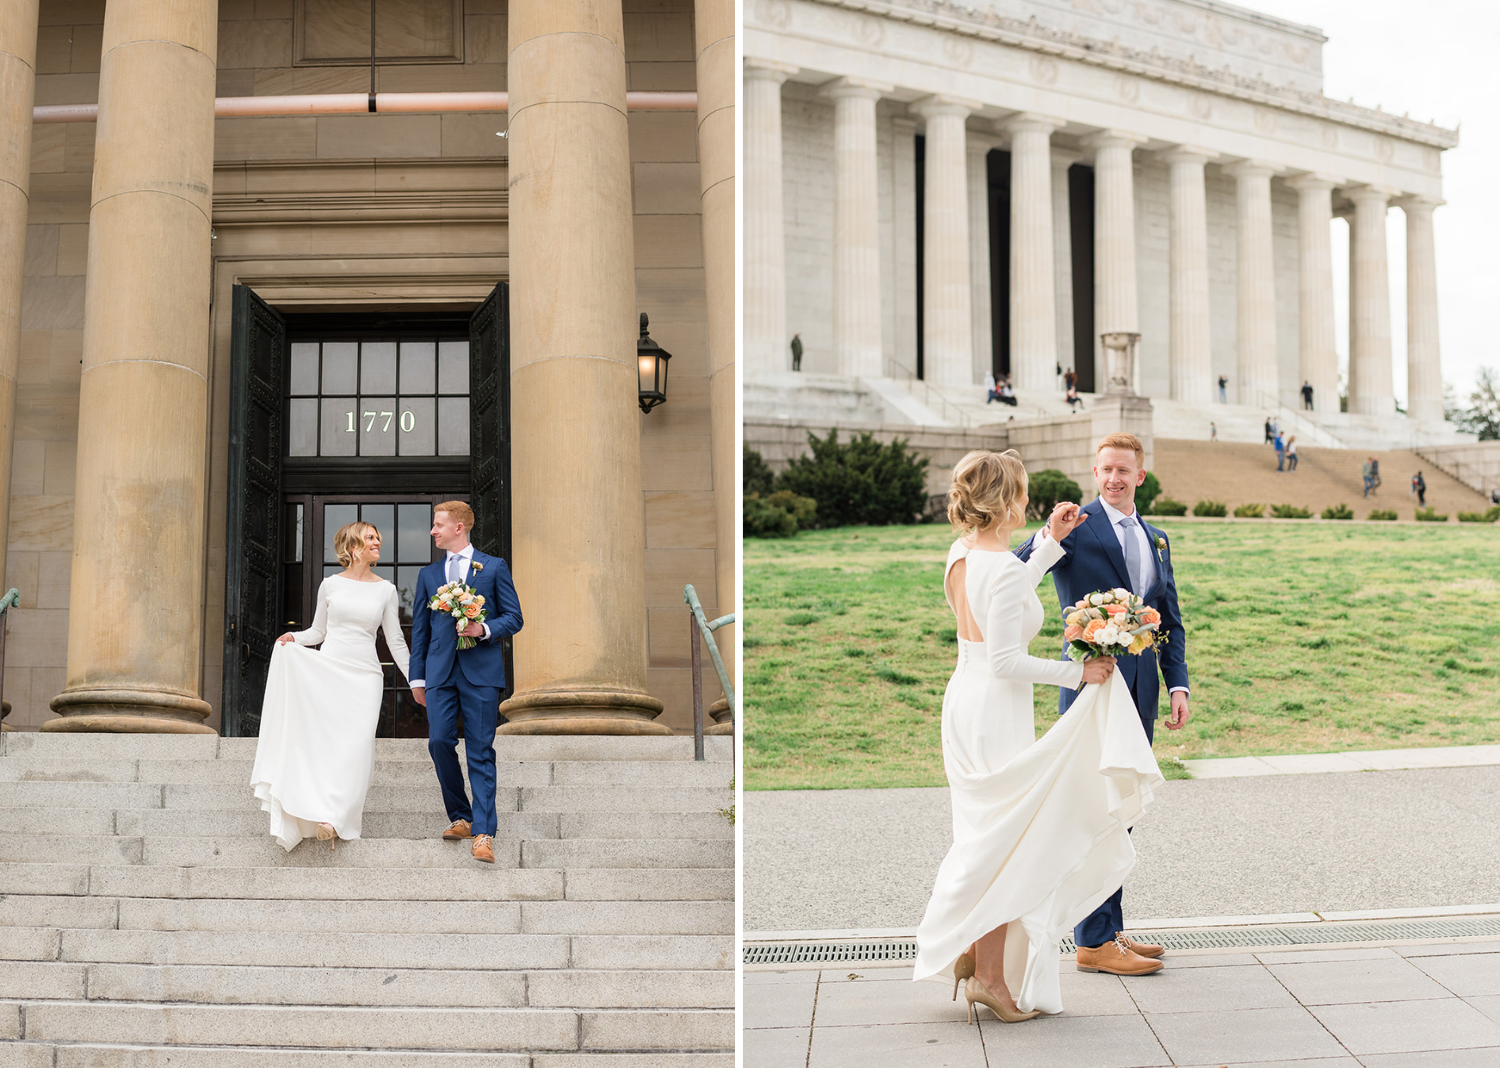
479, 708
1101, 925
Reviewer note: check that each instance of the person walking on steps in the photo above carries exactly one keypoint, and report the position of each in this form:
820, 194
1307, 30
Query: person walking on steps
796, 352
1419, 484
1280, 452
1269, 436
1291, 453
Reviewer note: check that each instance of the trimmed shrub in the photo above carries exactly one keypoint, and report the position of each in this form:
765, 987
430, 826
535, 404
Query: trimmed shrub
1250, 511
1047, 489
1474, 517
764, 520
1380, 515
1216, 509
861, 481
1147, 492
1338, 511
1492, 515
1289, 511
1430, 515
803, 509
757, 477
1167, 506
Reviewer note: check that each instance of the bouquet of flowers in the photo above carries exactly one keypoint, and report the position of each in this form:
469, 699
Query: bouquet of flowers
1111, 623
463, 604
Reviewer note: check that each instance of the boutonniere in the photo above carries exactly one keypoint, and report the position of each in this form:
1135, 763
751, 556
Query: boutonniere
475, 565
1161, 547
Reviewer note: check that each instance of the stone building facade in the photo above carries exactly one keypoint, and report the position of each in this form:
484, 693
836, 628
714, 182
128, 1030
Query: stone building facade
936, 191
369, 234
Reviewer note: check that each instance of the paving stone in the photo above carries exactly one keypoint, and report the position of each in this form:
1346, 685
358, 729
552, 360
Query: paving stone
1468, 975
1096, 1041
786, 1002
776, 1047
10, 1020
393, 797
932, 1045
649, 884
27, 910
1489, 1004
44, 879
1315, 1062
433, 917
643, 825
640, 773
1347, 982
39, 849
686, 952
1242, 1035
377, 825
312, 949
622, 989
1487, 1057
476, 882
654, 1059
1247, 986
59, 822
234, 985
628, 917
29, 943
378, 853
41, 979
94, 747
653, 1029
68, 795
1406, 1026
617, 853
623, 798
898, 1001
34, 768
27, 1055
202, 1057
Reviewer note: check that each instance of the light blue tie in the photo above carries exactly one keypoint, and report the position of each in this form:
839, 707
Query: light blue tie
455, 567
1132, 555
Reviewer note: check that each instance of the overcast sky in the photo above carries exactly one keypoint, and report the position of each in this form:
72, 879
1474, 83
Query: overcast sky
1439, 59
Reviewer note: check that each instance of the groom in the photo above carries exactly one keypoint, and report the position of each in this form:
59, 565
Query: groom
1114, 547
456, 683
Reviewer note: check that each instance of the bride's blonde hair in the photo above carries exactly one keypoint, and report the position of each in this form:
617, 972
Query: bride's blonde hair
349, 541
987, 488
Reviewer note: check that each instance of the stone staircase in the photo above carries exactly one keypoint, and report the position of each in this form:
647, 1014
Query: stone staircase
147, 920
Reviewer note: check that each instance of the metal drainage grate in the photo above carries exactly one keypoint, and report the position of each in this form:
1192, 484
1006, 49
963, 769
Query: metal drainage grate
1204, 938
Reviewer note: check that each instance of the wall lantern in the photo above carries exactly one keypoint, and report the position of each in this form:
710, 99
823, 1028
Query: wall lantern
651, 360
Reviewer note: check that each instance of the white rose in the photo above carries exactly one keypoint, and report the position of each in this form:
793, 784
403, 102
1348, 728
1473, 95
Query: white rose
1096, 599
1125, 638
1123, 596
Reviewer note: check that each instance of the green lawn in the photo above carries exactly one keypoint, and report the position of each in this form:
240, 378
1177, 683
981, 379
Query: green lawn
1358, 637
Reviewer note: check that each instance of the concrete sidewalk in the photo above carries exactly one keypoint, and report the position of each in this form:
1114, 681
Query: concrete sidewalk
1400, 1006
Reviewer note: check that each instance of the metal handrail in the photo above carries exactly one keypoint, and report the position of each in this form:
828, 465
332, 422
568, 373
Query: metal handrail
9, 601
1303, 424
701, 630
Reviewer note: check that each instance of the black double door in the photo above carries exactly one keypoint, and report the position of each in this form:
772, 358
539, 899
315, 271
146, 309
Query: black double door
342, 418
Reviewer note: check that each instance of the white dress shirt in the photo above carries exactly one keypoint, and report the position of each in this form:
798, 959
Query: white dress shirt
466, 555
1137, 530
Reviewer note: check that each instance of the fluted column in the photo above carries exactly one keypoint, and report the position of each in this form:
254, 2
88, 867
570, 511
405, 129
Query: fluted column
714, 29
1317, 361
1062, 256
1033, 309
980, 307
766, 337
904, 240
1116, 307
143, 400
18, 20
1191, 349
1424, 372
581, 661
1256, 285
856, 229
1371, 391
947, 326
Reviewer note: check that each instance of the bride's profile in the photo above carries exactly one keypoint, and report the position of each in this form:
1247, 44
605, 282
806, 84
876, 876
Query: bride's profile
317, 730
1039, 824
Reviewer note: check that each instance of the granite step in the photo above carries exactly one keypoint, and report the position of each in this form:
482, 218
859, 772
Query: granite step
103, 1055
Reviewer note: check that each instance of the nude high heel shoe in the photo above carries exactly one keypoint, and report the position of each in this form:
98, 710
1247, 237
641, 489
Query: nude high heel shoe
963, 968
974, 990
326, 833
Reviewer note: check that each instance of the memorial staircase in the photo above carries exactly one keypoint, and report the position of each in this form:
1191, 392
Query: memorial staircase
147, 920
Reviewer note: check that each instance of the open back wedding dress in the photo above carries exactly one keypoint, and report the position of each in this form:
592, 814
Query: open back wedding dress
1040, 825
317, 727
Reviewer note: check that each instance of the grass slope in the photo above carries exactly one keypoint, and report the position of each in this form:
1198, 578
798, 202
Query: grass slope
1305, 640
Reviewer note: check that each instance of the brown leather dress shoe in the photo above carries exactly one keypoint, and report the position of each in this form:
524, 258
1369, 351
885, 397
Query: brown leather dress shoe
1117, 959
457, 832
484, 850
1145, 949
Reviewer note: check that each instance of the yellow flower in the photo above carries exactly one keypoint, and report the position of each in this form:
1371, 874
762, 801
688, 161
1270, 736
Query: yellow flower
1140, 643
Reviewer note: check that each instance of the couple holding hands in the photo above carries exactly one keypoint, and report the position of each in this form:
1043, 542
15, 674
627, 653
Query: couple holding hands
316, 752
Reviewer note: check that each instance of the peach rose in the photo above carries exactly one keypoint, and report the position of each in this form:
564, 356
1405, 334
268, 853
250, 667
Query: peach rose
1115, 609
1072, 633
1091, 632
1150, 616
472, 611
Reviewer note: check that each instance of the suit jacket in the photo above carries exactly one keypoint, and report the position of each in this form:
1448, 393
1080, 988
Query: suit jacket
1095, 561
434, 639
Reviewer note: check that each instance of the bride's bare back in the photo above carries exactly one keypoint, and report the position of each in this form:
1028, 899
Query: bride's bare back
958, 599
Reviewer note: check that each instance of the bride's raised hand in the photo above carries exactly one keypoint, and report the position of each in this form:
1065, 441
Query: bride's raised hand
1065, 518
1098, 669
285, 638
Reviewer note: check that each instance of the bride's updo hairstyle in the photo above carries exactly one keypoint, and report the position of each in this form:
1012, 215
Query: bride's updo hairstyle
987, 488
349, 541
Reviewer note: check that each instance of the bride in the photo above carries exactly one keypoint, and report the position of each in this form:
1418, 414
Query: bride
1039, 824
317, 728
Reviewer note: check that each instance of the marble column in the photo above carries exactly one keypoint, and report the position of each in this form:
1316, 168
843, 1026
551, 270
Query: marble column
1317, 361
1371, 390
1062, 256
714, 30
581, 660
1033, 307
765, 334
947, 324
1191, 361
904, 241
1424, 373
980, 308
143, 401
1116, 308
18, 21
1255, 290
856, 229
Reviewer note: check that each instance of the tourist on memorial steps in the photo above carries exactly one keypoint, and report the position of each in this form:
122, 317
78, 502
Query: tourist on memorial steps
1070, 380
1419, 487
1367, 473
1291, 453
1072, 398
1280, 452
1213, 431
1270, 437
1307, 395
1223, 396
796, 352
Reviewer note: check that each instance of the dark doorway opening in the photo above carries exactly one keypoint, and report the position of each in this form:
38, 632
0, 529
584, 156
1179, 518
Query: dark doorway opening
921, 184
997, 168
1081, 225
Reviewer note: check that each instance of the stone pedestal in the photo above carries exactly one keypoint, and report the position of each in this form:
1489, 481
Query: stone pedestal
1318, 362
719, 713
947, 323
1127, 413
579, 557
134, 654
766, 337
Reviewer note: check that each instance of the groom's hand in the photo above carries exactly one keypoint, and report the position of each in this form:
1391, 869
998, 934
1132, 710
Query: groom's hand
473, 630
1179, 717
420, 693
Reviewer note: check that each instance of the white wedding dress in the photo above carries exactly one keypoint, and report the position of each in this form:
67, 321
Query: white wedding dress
1039, 824
317, 726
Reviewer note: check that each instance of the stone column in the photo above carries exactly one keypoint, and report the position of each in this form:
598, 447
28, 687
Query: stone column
1424, 372
947, 324
1062, 256
1191, 348
904, 240
1256, 288
714, 26
766, 337
1371, 391
135, 625
856, 229
980, 307
581, 661
18, 19
1318, 361
1115, 304
1033, 308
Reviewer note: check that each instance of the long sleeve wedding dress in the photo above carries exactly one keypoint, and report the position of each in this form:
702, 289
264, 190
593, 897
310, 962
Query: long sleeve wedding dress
317, 727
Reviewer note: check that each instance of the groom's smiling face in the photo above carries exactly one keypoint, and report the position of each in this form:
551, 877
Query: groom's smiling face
1117, 473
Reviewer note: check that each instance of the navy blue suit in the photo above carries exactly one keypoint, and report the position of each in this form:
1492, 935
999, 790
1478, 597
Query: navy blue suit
464, 684
1095, 561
